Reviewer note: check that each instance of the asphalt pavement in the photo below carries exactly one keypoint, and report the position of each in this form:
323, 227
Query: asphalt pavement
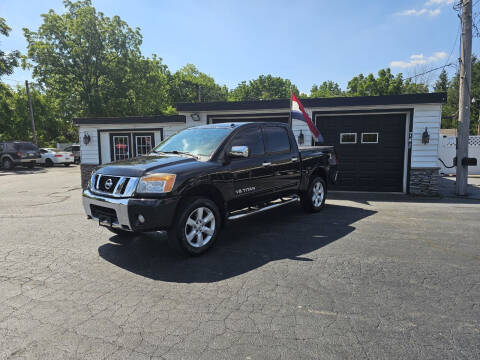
370, 277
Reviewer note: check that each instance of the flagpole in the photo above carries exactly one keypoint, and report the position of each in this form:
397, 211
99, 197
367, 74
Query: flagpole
290, 110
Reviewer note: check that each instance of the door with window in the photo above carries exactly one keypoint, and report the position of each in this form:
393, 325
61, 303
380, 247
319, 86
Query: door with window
120, 146
250, 179
281, 160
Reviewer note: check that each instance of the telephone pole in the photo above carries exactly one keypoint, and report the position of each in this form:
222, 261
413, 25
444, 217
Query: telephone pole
31, 113
464, 97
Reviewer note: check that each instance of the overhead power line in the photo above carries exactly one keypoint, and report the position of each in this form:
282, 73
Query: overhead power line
429, 71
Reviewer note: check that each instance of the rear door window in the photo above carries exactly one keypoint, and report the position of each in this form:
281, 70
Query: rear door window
251, 137
276, 139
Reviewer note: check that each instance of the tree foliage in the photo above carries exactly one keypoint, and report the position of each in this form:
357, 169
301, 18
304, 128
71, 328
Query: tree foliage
15, 118
450, 109
188, 82
326, 89
384, 84
8, 61
85, 58
265, 87
441, 85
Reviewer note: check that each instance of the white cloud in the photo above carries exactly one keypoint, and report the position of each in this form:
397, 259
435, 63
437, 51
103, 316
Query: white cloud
425, 10
439, 2
416, 12
419, 59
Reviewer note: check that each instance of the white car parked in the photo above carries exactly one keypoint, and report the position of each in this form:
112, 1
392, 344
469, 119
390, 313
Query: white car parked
51, 157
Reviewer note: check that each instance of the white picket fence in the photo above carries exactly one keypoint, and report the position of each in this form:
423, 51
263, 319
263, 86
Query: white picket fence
447, 151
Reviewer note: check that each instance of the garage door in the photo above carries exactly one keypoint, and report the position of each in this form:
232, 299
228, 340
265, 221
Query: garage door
370, 149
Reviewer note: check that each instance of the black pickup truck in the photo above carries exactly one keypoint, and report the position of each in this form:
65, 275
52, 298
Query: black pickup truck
196, 180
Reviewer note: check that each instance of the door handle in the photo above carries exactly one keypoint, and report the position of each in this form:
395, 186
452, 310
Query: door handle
266, 164
294, 158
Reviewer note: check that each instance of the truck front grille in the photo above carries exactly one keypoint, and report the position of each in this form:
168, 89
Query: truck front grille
115, 186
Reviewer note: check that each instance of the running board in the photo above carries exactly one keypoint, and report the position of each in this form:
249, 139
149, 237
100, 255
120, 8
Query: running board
272, 205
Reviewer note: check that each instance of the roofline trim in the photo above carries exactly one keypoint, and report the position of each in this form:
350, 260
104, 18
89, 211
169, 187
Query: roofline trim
154, 119
404, 99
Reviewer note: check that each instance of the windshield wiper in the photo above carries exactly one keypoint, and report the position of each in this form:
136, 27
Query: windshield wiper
176, 152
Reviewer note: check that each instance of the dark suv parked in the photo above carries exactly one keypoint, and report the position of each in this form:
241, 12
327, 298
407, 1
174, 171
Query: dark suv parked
14, 153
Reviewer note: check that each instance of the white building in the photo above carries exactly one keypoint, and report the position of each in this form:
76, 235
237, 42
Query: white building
384, 143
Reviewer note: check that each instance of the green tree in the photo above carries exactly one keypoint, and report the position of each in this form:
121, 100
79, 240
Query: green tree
85, 58
186, 83
326, 89
265, 87
384, 84
441, 85
450, 109
8, 61
15, 118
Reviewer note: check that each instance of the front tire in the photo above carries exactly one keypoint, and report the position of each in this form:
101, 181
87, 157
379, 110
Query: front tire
313, 200
197, 226
7, 164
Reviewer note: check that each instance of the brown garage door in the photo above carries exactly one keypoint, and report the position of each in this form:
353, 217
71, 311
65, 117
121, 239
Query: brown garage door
370, 149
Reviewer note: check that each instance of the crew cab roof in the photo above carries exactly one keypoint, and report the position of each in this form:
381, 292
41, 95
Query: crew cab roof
235, 125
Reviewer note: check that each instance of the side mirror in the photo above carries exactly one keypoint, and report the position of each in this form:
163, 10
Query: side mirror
239, 151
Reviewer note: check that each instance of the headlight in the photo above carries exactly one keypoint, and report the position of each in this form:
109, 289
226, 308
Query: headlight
156, 183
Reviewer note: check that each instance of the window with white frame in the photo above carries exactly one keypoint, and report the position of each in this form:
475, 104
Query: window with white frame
143, 144
369, 138
348, 138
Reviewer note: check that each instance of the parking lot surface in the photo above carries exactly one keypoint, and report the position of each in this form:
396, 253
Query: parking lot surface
384, 277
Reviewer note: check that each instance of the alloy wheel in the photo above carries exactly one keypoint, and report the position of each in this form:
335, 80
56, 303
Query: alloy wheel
318, 193
200, 227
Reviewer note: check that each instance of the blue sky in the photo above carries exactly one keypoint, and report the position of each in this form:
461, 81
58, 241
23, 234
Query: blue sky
305, 41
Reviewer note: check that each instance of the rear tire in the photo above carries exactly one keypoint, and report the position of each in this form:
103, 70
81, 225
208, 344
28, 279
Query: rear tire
197, 227
7, 164
313, 200
66, 164
48, 163
30, 166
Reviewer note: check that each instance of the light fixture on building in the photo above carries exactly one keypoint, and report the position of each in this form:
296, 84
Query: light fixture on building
195, 117
425, 137
301, 138
86, 138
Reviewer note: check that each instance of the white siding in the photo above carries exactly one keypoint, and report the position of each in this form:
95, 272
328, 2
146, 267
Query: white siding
429, 116
88, 153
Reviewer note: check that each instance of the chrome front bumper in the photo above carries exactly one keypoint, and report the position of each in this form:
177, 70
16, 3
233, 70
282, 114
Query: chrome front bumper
119, 205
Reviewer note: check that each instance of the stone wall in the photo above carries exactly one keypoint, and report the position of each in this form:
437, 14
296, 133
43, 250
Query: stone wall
424, 181
86, 171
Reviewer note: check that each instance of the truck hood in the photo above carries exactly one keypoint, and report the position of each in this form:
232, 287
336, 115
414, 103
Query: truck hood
141, 165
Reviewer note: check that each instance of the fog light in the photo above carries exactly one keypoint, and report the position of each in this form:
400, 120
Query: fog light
141, 219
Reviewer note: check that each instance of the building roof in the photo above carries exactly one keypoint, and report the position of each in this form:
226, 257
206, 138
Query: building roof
154, 119
406, 99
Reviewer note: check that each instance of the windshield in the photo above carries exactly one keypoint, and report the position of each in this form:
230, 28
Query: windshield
196, 141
